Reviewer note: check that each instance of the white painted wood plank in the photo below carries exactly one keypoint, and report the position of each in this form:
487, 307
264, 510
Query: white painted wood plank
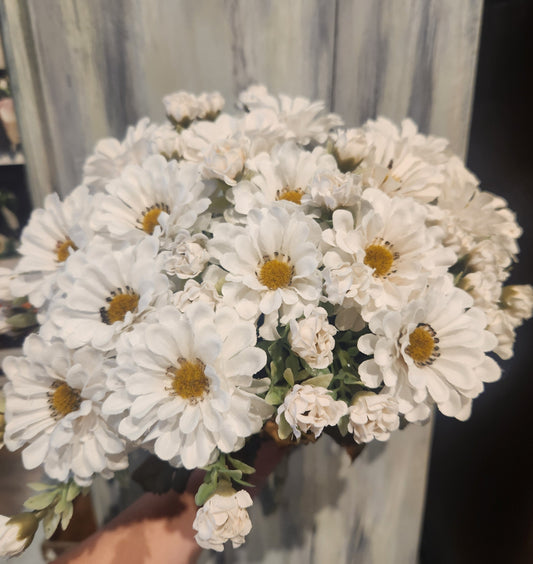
332, 510
98, 66
411, 58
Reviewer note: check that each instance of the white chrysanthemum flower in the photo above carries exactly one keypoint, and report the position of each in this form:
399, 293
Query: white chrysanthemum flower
402, 161
206, 291
373, 416
185, 382
53, 402
283, 175
308, 409
143, 197
331, 189
16, 533
388, 256
305, 121
167, 141
430, 351
106, 291
219, 147
182, 107
313, 338
272, 264
186, 256
224, 160
223, 517
110, 155
52, 235
350, 147
477, 224
515, 305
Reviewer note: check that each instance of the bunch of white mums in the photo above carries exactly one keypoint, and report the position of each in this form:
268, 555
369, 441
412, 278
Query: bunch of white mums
219, 272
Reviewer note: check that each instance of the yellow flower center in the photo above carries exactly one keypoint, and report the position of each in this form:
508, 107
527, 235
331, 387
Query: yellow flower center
63, 399
62, 249
423, 348
276, 273
380, 257
189, 380
119, 305
150, 217
294, 196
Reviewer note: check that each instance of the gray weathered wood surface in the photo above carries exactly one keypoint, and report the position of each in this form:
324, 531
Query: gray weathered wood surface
82, 70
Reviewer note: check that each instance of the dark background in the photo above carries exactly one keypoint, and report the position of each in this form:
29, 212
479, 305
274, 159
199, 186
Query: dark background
480, 493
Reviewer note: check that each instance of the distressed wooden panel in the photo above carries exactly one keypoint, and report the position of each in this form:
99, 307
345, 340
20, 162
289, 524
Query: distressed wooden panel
412, 58
86, 70
83, 70
330, 510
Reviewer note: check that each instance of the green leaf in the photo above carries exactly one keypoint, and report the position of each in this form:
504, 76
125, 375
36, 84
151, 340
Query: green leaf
289, 376
40, 501
301, 375
284, 429
205, 491
67, 516
240, 465
50, 523
244, 483
275, 395
21, 320
293, 363
40, 486
343, 425
323, 381
73, 491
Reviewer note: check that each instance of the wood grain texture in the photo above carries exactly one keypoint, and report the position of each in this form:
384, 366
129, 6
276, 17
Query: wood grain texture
412, 58
96, 67
329, 510
84, 70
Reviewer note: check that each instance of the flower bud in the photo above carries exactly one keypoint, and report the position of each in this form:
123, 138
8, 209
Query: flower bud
16, 533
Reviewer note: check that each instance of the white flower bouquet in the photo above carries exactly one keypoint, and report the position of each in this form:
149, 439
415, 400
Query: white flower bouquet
272, 275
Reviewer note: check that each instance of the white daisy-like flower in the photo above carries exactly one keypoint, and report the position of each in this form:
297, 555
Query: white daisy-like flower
433, 350
309, 409
385, 259
185, 384
52, 235
167, 141
331, 189
305, 121
206, 291
350, 147
144, 197
313, 338
223, 517
402, 161
283, 175
272, 264
53, 401
224, 160
373, 416
182, 107
186, 256
106, 291
110, 155
514, 306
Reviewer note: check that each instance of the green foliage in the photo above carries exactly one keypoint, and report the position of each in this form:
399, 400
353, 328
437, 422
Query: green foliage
53, 504
220, 474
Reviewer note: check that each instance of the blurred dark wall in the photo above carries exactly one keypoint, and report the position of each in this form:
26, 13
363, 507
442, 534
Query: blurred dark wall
480, 494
